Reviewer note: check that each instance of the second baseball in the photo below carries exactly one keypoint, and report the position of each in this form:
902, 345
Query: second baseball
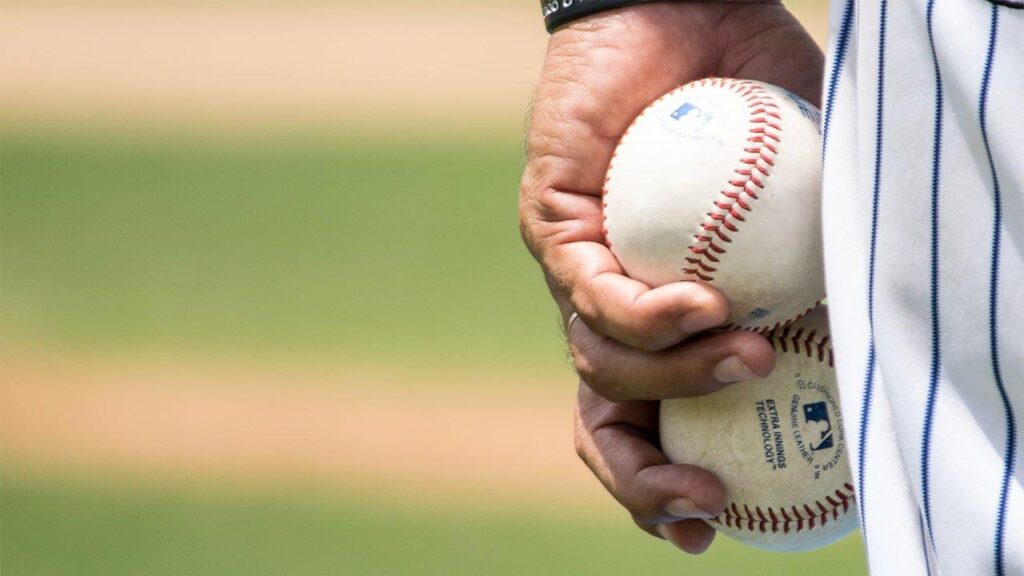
778, 444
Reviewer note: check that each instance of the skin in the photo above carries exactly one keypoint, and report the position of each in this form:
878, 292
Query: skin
632, 344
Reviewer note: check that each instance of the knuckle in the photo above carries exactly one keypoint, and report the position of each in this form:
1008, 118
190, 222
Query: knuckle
580, 443
611, 389
538, 200
710, 304
528, 225
601, 383
650, 340
582, 304
579, 435
541, 201
528, 238
636, 333
585, 366
642, 327
646, 526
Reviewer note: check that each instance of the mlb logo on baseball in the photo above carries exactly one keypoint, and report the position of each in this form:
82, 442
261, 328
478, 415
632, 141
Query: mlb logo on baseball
817, 413
693, 115
758, 313
716, 182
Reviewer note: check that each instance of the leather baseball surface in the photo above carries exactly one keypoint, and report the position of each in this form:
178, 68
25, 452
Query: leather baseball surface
719, 181
777, 444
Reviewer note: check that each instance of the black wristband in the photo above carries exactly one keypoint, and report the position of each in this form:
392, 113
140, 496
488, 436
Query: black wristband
557, 13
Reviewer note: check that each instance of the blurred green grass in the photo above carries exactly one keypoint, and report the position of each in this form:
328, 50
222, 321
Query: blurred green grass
402, 250
57, 527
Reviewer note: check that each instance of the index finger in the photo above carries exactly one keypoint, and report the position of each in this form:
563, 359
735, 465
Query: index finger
614, 305
564, 229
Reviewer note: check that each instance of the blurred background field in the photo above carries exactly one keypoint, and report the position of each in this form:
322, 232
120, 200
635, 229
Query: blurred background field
348, 248
265, 307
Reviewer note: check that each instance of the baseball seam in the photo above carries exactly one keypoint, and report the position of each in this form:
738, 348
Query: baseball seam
788, 519
767, 330
750, 176
800, 340
804, 516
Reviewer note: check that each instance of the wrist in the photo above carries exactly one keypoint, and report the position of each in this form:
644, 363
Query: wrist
558, 13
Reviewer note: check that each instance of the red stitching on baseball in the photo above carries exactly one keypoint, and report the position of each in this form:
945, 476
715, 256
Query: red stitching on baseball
823, 348
762, 107
752, 170
809, 342
774, 520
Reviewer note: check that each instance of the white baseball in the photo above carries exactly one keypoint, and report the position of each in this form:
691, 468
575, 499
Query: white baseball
777, 444
719, 181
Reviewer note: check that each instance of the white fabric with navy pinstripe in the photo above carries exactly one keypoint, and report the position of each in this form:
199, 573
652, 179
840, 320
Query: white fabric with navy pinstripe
924, 230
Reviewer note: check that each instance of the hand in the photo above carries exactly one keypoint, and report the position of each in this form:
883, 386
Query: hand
634, 342
619, 443
600, 72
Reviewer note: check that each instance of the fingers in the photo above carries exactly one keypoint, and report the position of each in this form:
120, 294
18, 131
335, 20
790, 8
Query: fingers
618, 442
564, 232
691, 536
695, 367
629, 311
595, 80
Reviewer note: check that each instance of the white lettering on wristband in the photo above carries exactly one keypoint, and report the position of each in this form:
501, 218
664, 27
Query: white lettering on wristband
550, 7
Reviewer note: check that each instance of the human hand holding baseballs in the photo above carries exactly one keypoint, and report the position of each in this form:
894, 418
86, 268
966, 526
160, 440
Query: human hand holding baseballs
634, 342
618, 441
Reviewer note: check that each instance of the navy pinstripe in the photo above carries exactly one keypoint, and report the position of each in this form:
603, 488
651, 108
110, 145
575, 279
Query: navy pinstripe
837, 68
926, 418
869, 376
936, 351
924, 545
1010, 453
842, 45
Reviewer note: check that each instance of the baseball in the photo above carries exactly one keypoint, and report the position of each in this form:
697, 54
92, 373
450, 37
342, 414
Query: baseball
777, 444
719, 181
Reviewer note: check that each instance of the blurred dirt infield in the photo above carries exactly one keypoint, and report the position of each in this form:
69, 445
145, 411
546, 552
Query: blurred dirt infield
258, 66
254, 67
336, 429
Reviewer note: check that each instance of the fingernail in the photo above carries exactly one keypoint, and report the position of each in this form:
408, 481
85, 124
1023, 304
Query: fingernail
698, 321
663, 530
732, 369
685, 508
